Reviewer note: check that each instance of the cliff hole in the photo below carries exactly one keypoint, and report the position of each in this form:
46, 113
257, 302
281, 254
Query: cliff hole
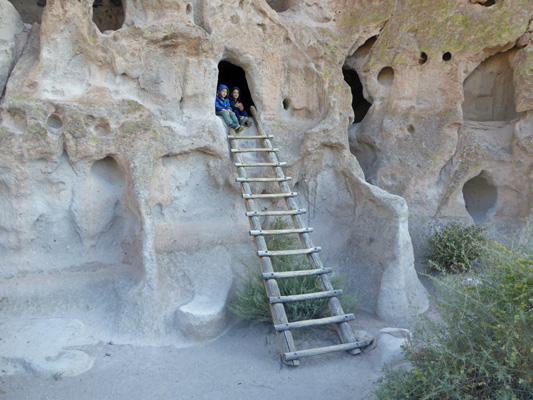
480, 197
54, 121
108, 15
489, 91
103, 216
31, 11
282, 5
359, 104
234, 76
447, 56
386, 77
486, 3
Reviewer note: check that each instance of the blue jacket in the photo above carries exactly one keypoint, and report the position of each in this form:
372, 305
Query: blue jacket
221, 103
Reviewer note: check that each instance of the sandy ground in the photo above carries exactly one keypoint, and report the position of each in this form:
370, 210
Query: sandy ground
243, 363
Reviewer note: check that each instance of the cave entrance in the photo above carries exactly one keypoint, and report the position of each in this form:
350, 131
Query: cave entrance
489, 91
282, 5
359, 104
108, 15
480, 197
31, 11
231, 76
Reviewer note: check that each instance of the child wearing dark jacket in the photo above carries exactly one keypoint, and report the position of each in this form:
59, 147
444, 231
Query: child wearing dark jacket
238, 108
223, 108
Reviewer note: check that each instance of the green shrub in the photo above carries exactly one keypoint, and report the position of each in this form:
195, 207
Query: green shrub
251, 302
456, 247
483, 346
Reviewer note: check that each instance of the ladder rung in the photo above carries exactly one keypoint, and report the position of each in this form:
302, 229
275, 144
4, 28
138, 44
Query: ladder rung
315, 322
260, 164
275, 213
268, 253
255, 150
285, 179
323, 350
305, 296
250, 137
279, 231
268, 195
296, 274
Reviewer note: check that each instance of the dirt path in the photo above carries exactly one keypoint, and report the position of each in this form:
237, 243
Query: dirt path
242, 364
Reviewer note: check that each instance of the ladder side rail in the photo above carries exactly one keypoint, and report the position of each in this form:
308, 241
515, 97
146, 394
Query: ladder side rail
285, 339
344, 329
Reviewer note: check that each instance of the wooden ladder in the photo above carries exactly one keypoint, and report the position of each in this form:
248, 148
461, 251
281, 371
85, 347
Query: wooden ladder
282, 326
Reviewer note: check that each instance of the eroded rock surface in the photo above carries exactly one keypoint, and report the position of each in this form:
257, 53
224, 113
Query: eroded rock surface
118, 203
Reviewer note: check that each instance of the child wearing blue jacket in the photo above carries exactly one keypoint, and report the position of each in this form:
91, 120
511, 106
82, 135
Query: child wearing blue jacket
223, 108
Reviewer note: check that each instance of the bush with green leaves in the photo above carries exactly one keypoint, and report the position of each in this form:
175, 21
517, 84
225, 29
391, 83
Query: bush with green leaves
483, 346
251, 302
456, 246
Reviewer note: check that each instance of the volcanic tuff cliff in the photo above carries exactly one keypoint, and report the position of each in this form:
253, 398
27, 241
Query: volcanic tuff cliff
118, 205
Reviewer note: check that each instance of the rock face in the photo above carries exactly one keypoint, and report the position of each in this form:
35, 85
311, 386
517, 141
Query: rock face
118, 205
12, 38
448, 129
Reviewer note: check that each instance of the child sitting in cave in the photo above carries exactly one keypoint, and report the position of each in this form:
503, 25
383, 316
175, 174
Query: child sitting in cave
223, 109
238, 108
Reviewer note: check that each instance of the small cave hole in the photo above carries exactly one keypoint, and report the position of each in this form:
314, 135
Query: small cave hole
447, 56
286, 103
411, 129
489, 91
423, 58
54, 121
282, 5
366, 154
486, 3
102, 129
359, 104
363, 51
108, 170
480, 197
188, 9
31, 11
108, 15
386, 76
234, 76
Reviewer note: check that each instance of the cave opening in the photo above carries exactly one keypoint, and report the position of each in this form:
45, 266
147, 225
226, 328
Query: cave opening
234, 76
108, 15
359, 104
423, 58
486, 3
489, 90
480, 197
282, 5
31, 11
386, 77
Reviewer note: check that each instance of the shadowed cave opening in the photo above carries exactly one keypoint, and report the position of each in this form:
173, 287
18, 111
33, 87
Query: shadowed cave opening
386, 77
282, 5
489, 91
486, 3
232, 75
480, 197
359, 104
108, 15
31, 11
